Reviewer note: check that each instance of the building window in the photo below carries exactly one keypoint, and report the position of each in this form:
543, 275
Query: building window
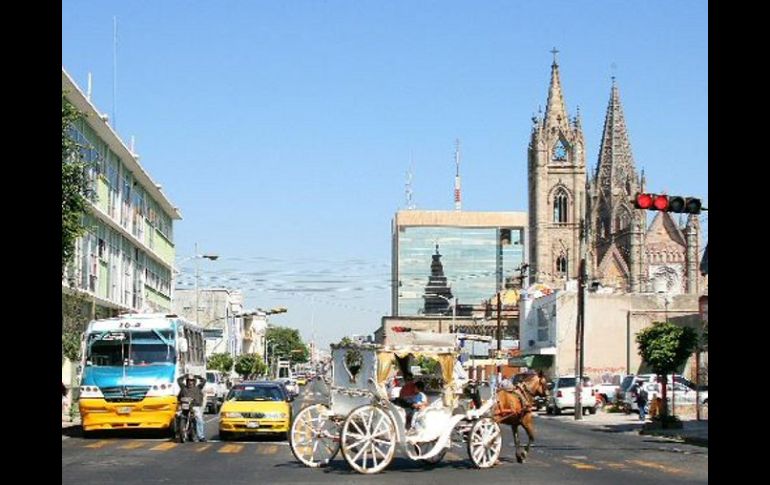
560, 206
561, 265
542, 325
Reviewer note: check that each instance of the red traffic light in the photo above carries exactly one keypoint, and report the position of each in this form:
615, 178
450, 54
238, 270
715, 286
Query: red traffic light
660, 202
643, 201
664, 203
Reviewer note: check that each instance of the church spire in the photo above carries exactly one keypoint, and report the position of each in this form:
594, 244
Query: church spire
437, 291
616, 162
555, 109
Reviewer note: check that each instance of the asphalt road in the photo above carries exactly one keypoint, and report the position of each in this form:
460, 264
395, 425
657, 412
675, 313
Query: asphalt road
565, 452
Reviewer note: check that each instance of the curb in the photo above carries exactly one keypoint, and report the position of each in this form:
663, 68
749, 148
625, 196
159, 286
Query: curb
692, 440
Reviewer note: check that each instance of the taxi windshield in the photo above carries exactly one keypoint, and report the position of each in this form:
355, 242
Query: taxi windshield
255, 393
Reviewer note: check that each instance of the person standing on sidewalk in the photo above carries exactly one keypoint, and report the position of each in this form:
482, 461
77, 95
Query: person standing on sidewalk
641, 400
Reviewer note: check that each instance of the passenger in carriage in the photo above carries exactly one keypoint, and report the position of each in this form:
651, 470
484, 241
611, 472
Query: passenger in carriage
409, 389
417, 401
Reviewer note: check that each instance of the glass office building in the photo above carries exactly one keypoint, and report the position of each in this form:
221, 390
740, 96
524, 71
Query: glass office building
479, 250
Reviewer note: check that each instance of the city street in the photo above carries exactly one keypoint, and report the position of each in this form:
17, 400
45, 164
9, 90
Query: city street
565, 452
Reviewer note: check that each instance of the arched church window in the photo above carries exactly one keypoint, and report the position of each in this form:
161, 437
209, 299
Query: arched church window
622, 222
561, 265
560, 151
560, 206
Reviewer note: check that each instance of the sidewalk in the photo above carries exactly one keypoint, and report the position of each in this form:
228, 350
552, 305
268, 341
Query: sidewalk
692, 431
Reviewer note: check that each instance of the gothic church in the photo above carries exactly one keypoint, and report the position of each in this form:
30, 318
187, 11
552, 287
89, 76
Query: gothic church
621, 251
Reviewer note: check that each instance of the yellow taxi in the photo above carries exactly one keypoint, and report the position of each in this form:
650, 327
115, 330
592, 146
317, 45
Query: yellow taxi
255, 408
301, 380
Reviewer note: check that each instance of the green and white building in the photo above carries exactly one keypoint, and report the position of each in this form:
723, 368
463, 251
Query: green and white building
124, 263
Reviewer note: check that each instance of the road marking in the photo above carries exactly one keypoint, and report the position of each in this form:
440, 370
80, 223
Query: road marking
656, 466
131, 446
163, 446
98, 444
231, 448
270, 450
614, 465
585, 466
202, 448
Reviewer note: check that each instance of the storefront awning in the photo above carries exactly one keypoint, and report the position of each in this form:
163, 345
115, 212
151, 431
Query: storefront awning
531, 361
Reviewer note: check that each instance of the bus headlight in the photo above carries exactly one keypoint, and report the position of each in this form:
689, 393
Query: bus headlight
90, 392
164, 389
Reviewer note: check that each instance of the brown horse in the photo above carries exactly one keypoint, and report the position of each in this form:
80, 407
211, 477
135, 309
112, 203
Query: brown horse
515, 408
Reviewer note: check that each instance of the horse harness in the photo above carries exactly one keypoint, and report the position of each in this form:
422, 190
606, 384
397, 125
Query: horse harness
522, 393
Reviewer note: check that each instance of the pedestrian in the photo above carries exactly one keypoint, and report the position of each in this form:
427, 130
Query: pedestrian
64, 399
641, 400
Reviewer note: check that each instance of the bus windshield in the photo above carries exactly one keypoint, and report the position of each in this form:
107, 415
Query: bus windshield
130, 348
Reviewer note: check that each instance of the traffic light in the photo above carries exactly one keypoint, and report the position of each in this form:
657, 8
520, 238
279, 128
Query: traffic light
667, 203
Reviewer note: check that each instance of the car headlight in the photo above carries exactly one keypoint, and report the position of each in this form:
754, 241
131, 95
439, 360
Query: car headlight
233, 415
87, 392
275, 415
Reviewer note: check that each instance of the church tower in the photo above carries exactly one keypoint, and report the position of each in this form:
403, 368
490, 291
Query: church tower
615, 228
557, 182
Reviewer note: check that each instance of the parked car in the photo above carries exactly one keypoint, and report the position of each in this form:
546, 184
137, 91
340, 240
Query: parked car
606, 391
562, 395
682, 391
214, 391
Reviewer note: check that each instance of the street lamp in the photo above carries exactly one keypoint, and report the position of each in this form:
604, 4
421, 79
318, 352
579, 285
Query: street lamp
273, 311
211, 257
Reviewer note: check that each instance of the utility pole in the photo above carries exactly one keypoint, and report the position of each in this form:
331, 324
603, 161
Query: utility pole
580, 331
499, 327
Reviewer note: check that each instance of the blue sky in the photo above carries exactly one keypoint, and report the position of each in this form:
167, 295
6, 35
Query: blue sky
284, 129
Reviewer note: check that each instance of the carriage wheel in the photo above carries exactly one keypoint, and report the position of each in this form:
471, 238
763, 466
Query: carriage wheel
484, 443
314, 438
368, 439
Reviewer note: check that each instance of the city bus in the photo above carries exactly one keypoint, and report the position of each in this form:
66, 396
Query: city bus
130, 366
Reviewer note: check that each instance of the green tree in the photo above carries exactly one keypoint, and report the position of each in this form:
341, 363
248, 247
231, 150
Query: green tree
247, 364
287, 344
665, 347
429, 365
75, 312
75, 187
222, 362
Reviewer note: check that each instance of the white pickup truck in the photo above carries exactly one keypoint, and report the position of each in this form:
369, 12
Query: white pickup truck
214, 391
562, 396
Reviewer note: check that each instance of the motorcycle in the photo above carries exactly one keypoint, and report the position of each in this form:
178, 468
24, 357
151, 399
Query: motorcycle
185, 421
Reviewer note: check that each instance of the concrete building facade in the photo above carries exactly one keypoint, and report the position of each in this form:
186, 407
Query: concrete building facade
218, 309
612, 322
124, 262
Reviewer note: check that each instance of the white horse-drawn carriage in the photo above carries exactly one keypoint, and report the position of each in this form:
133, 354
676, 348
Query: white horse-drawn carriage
369, 428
